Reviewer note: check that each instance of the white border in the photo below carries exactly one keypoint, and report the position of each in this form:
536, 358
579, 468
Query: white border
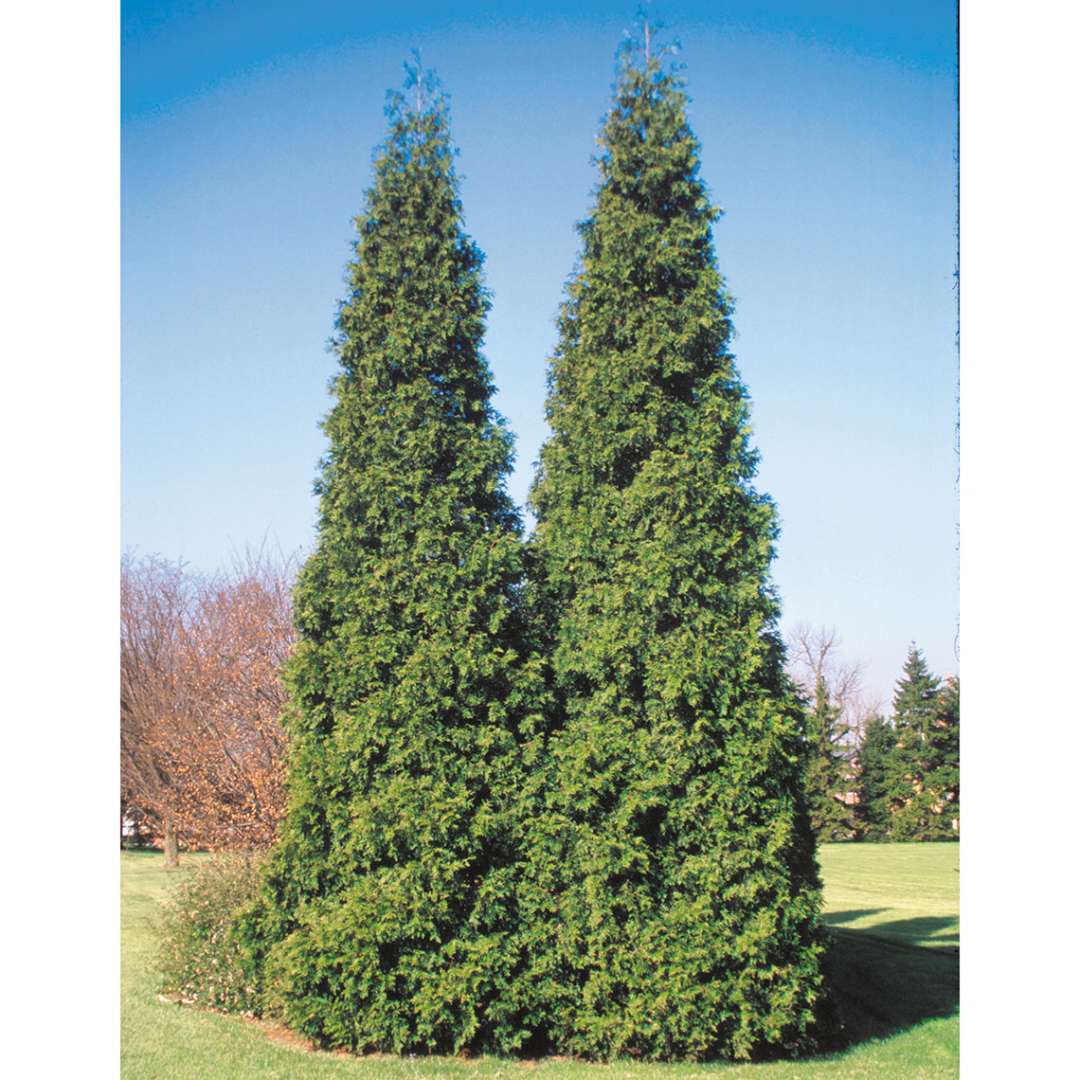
60, 186
1019, 407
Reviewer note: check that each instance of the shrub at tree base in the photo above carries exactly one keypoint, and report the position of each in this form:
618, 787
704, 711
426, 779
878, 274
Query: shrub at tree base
200, 958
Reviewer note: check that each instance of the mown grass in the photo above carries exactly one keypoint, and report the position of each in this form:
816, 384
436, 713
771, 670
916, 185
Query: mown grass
894, 909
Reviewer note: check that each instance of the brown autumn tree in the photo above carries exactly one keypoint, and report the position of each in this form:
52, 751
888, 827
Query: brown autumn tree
154, 601
202, 747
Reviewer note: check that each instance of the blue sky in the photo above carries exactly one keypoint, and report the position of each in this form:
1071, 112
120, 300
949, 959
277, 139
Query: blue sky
828, 135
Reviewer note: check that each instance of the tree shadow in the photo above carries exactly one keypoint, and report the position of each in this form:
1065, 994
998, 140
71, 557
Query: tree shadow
921, 930
884, 981
840, 917
926, 929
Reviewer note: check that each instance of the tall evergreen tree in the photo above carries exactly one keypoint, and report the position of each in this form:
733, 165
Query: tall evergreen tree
827, 769
944, 777
875, 751
914, 774
674, 911
387, 920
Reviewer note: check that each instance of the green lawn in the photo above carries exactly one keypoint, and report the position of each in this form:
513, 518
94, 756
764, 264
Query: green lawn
895, 913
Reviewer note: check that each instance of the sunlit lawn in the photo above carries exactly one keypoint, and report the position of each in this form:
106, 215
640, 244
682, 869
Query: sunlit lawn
895, 913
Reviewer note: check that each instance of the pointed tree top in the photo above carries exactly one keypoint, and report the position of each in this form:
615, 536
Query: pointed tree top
644, 40
421, 93
423, 82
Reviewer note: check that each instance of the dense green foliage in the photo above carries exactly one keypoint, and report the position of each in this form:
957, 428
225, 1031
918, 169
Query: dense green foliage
387, 921
199, 958
922, 772
827, 769
575, 812
878, 742
909, 767
673, 910
945, 737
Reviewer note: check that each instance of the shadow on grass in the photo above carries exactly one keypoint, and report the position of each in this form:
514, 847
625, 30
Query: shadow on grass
884, 982
923, 930
926, 929
838, 918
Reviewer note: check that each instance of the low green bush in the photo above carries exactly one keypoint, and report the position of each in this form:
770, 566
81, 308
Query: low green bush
200, 958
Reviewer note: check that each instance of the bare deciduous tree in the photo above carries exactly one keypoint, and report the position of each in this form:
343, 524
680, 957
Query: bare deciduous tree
201, 739
154, 602
813, 657
835, 713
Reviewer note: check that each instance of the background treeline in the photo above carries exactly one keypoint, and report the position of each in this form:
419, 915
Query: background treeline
868, 776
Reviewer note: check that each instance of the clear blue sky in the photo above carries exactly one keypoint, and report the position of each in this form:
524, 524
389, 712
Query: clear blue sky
828, 134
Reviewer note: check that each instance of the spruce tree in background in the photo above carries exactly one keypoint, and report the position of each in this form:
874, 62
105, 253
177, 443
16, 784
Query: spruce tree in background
919, 772
387, 921
944, 778
827, 770
878, 742
675, 896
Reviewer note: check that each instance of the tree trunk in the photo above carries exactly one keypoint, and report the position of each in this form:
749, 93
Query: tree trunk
172, 849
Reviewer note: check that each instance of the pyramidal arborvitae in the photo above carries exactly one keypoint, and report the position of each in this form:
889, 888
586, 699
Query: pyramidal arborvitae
673, 899
387, 919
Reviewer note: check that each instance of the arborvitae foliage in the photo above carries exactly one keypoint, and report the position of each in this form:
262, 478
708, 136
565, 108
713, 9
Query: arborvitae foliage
918, 771
827, 770
877, 745
676, 895
387, 921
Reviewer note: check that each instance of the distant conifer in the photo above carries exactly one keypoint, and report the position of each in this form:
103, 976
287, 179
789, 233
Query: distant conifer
877, 744
922, 775
827, 769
